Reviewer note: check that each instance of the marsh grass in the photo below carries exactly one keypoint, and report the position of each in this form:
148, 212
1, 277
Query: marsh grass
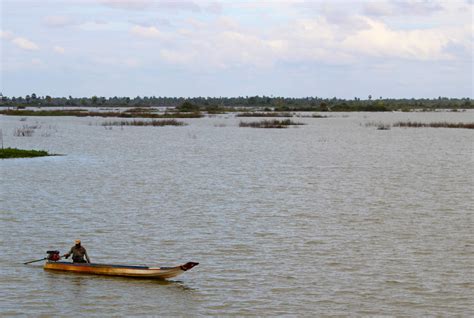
411, 124
266, 114
309, 116
25, 130
141, 110
379, 125
270, 124
76, 113
6, 153
155, 123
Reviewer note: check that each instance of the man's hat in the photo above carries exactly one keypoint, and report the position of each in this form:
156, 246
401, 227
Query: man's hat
78, 241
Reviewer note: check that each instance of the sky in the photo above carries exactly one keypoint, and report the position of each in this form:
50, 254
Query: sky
291, 48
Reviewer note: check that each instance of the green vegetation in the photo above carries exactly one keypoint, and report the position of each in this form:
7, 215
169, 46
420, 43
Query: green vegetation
141, 110
156, 123
411, 124
6, 153
270, 124
266, 114
126, 114
187, 107
224, 104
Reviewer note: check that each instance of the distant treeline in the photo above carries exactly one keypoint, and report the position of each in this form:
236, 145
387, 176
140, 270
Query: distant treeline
221, 103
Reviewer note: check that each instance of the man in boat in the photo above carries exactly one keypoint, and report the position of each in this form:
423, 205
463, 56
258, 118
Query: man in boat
78, 253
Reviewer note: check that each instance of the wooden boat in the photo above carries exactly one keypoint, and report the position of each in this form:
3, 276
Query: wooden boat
120, 270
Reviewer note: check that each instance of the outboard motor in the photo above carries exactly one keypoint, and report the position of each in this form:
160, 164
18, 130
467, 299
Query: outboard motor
53, 256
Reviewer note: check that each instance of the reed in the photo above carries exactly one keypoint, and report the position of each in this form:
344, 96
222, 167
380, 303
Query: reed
379, 125
270, 124
155, 123
266, 114
412, 124
25, 130
76, 113
141, 110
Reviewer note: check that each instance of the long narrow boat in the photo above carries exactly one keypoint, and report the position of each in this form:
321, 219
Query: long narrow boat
120, 270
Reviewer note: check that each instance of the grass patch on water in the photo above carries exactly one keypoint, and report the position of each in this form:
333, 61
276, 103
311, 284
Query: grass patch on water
79, 113
7, 153
257, 114
411, 124
155, 123
270, 124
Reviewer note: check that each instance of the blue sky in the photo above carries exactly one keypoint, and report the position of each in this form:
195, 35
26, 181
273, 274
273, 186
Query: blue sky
347, 49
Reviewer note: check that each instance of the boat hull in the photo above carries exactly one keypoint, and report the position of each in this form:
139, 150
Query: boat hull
120, 270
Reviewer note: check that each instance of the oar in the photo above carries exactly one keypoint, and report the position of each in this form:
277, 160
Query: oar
38, 260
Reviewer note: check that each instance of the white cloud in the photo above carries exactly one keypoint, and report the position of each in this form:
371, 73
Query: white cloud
324, 33
7, 35
380, 40
182, 5
58, 21
146, 32
227, 22
59, 49
213, 7
20, 42
25, 44
224, 43
401, 7
127, 4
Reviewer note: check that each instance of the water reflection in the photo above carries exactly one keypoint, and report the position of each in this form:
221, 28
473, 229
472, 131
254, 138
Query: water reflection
81, 279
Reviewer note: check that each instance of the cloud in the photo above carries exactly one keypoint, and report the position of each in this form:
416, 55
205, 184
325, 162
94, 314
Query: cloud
7, 35
127, 4
146, 32
213, 7
162, 22
380, 40
58, 21
380, 8
25, 44
20, 42
226, 22
59, 49
225, 43
222, 49
401, 7
179, 5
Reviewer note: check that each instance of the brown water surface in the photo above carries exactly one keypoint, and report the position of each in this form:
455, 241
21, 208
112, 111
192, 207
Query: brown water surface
331, 218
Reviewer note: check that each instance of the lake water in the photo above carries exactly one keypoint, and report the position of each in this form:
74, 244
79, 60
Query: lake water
326, 219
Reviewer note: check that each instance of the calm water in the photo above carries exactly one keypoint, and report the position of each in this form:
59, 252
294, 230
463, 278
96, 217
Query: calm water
330, 218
